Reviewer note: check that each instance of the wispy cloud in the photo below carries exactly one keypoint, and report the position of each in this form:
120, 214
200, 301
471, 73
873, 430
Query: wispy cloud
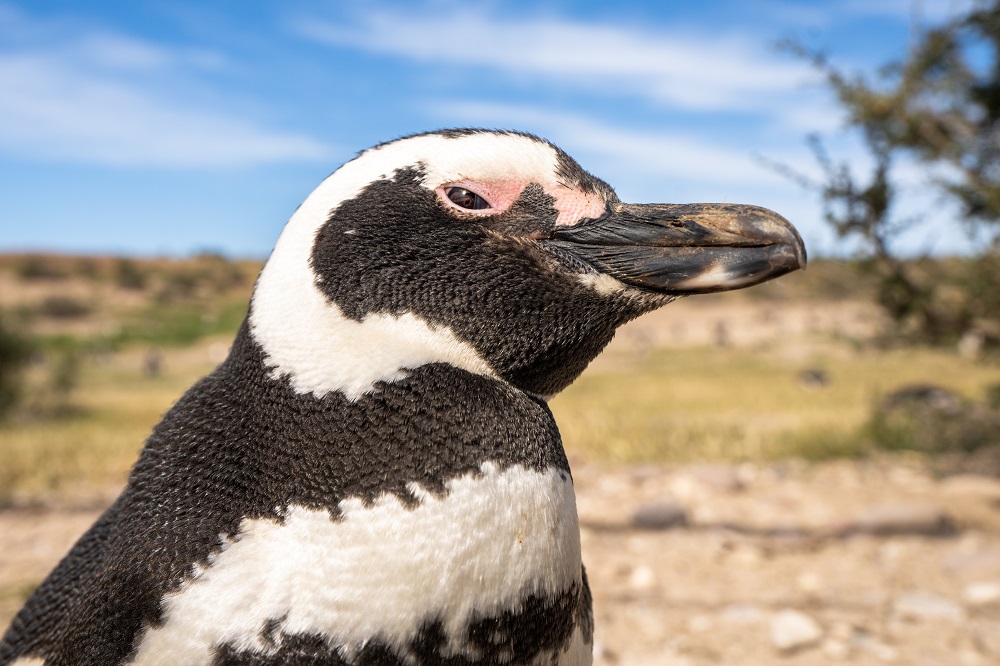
935, 11
682, 69
654, 153
95, 97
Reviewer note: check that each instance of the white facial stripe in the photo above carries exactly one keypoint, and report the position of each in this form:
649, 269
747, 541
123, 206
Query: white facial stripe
310, 341
379, 572
28, 661
603, 283
484, 157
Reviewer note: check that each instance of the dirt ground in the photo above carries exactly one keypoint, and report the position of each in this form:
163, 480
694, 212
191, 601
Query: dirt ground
834, 563
846, 562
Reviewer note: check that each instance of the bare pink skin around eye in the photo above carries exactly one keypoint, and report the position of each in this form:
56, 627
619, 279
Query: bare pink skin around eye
571, 204
499, 194
574, 205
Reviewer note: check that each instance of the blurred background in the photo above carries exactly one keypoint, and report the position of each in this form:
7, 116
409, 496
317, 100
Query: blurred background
806, 472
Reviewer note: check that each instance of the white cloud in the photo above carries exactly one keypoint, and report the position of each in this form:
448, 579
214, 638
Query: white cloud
93, 97
683, 69
656, 153
53, 111
653, 165
934, 11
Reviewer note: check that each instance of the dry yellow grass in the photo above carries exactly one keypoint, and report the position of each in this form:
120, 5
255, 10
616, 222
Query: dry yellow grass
87, 452
668, 405
690, 404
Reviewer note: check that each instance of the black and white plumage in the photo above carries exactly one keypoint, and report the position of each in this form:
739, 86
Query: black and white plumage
373, 476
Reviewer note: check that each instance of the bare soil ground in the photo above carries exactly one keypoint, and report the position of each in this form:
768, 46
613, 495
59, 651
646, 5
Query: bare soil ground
757, 542
845, 562
762, 541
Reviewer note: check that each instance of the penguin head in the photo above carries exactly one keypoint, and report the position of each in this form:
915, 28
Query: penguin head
492, 251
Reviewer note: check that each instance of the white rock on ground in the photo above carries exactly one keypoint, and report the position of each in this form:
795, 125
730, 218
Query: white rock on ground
793, 630
660, 515
981, 594
904, 518
920, 605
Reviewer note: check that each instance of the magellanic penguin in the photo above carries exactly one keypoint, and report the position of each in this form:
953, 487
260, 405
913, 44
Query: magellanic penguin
373, 477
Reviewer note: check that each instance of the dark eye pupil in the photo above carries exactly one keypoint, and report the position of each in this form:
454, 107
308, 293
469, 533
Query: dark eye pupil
466, 199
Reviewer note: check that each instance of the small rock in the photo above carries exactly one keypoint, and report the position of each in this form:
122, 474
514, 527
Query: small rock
719, 477
970, 657
864, 641
809, 582
920, 605
842, 630
924, 397
660, 515
883, 652
746, 555
814, 378
890, 519
699, 624
742, 614
834, 649
978, 563
981, 594
984, 632
793, 630
971, 484
642, 578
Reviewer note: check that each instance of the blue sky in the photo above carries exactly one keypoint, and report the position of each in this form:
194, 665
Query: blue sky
182, 126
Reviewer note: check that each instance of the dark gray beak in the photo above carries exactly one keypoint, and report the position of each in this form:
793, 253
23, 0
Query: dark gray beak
684, 248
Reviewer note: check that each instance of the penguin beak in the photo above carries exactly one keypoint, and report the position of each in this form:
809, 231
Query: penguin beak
684, 248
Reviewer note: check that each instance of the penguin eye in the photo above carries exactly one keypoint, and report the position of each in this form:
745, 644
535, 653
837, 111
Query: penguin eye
467, 199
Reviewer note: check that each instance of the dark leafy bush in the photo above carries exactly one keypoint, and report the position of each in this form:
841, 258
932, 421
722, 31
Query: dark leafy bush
63, 307
15, 352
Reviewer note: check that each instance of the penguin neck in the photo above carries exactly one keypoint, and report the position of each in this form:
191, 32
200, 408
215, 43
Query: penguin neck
309, 341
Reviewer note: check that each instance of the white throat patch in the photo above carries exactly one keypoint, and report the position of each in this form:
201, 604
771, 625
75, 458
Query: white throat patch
309, 340
378, 573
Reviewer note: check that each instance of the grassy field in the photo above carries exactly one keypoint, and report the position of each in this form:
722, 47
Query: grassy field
684, 405
676, 405
85, 449
95, 322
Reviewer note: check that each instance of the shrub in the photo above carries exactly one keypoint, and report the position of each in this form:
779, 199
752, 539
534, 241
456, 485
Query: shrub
63, 307
15, 352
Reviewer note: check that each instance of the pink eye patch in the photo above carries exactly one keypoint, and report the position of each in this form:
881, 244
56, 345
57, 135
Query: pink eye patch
492, 197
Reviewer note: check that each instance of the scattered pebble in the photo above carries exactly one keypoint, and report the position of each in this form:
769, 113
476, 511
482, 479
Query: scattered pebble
835, 649
699, 624
719, 477
809, 583
742, 614
660, 515
864, 641
793, 630
981, 594
746, 555
977, 563
893, 519
971, 484
920, 605
642, 577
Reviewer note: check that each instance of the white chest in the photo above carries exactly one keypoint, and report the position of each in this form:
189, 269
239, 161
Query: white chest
380, 571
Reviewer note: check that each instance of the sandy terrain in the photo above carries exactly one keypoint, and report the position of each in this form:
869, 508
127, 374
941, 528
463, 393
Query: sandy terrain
841, 563
850, 562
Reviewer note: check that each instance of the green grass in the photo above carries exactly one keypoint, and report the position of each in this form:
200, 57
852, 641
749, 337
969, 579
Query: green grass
179, 325
740, 404
669, 406
88, 448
